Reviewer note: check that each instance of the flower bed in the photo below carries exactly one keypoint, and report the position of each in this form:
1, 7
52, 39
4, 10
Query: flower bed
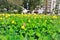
29, 27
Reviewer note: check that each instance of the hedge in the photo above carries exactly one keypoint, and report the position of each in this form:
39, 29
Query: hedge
29, 27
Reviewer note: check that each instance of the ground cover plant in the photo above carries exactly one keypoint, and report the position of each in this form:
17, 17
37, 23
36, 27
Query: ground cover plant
29, 27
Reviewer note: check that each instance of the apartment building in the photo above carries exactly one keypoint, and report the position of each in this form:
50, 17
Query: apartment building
51, 4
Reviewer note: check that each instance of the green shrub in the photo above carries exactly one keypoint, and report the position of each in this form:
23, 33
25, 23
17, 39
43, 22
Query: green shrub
29, 27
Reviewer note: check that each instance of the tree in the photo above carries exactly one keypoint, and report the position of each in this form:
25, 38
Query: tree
33, 3
15, 2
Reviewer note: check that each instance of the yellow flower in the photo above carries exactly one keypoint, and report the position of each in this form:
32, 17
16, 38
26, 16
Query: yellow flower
35, 14
35, 17
23, 27
1, 18
45, 15
51, 20
7, 15
3, 14
40, 16
29, 20
55, 17
45, 20
25, 15
13, 22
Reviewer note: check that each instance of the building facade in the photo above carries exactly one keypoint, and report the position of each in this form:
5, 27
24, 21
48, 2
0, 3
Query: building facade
51, 4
